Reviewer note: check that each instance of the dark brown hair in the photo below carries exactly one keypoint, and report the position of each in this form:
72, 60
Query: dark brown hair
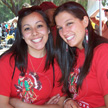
67, 60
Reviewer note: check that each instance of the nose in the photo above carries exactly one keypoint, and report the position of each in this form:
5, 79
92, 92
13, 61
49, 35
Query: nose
34, 32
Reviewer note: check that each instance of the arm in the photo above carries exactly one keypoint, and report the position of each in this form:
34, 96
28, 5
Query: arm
101, 57
4, 102
106, 102
95, 13
19, 104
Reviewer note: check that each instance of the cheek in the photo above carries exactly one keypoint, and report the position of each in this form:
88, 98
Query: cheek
44, 33
26, 35
60, 33
62, 36
43, 30
75, 27
79, 29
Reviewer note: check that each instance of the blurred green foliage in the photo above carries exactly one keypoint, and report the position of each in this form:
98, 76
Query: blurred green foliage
6, 13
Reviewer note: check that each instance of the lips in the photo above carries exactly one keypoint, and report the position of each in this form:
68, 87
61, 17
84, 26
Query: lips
37, 40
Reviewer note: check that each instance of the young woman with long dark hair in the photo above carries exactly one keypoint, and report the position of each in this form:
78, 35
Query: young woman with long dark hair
82, 56
29, 74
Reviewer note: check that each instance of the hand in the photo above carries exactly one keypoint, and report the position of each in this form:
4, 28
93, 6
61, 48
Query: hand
71, 104
15, 102
54, 99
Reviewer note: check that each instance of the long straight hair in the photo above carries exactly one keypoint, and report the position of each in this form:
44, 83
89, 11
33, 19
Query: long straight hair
67, 59
19, 49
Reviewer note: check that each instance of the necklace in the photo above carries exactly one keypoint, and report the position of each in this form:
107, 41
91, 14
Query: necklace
38, 66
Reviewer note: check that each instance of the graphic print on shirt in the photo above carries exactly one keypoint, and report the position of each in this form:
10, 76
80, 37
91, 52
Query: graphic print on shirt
73, 78
26, 86
84, 104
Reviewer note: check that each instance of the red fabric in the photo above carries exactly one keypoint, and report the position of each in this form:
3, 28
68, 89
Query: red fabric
47, 5
95, 85
54, 33
36, 88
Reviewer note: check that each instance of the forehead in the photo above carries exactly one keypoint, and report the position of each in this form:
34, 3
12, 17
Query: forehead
33, 16
69, 13
64, 16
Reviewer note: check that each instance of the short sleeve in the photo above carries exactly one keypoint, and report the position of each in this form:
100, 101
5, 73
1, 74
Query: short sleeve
101, 60
5, 76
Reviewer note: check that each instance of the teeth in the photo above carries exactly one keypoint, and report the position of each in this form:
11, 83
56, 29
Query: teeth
69, 38
37, 40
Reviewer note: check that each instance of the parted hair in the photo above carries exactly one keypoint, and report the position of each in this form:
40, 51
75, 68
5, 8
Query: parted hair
67, 59
19, 49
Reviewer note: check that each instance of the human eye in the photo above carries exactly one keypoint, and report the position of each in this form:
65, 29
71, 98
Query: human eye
59, 28
69, 23
39, 26
27, 29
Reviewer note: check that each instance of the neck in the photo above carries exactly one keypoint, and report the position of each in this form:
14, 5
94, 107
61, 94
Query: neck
38, 54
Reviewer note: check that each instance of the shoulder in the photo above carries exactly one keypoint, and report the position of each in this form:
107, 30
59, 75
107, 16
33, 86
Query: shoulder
6, 59
101, 48
101, 52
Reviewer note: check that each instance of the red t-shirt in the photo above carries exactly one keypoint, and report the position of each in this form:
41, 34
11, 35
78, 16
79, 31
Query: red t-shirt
34, 87
95, 85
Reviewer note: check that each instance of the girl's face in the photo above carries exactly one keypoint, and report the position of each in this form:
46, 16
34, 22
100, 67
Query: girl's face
71, 29
35, 32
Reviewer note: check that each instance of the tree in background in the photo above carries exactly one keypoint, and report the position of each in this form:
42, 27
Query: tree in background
5, 13
10, 8
105, 2
15, 5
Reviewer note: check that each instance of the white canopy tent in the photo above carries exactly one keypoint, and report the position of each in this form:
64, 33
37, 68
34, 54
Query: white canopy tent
12, 20
93, 6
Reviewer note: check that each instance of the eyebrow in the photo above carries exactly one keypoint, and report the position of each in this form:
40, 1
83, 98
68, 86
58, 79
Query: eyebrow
39, 22
68, 20
65, 21
35, 23
25, 25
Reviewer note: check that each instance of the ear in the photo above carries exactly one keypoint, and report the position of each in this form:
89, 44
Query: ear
85, 21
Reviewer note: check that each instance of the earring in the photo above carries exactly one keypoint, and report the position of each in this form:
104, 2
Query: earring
22, 37
66, 47
86, 30
48, 31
